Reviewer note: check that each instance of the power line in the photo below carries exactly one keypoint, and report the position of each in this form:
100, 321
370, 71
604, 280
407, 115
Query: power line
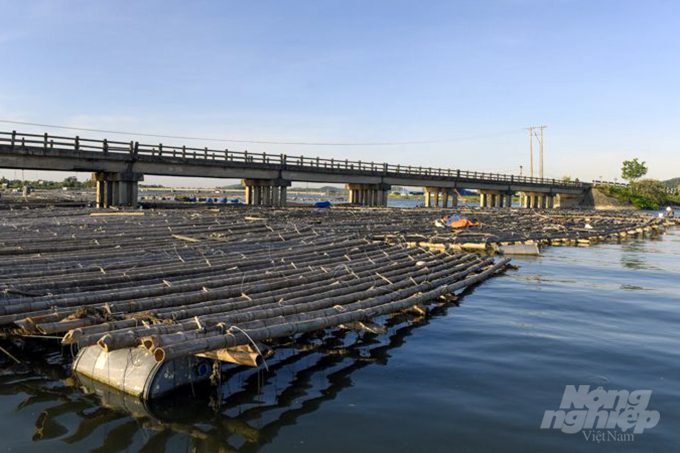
264, 142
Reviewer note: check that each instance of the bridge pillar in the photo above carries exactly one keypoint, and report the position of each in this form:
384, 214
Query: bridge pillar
531, 201
117, 189
265, 192
283, 196
369, 194
434, 194
490, 199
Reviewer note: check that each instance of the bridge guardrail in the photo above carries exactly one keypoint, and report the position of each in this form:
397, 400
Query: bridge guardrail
45, 141
670, 190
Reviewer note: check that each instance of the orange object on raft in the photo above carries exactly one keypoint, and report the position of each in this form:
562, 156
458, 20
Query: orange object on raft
456, 221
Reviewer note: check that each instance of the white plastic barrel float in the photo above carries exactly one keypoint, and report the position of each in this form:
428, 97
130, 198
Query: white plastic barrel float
136, 372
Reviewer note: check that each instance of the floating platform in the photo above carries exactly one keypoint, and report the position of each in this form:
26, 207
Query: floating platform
153, 301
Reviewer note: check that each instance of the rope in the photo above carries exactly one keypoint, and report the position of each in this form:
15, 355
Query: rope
264, 361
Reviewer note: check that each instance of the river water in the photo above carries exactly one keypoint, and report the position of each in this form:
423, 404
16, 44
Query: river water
476, 376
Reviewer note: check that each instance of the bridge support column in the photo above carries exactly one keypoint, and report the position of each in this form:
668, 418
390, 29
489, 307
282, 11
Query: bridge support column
283, 196
508, 200
369, 194
265, 192
109, 194
117, 189
433, 195
489, 199
531, 201
101, 194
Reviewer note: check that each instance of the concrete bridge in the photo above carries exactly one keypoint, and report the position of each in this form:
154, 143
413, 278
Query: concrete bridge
118, 167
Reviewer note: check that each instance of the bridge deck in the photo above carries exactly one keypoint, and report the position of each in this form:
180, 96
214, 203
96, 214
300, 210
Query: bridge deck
49, 152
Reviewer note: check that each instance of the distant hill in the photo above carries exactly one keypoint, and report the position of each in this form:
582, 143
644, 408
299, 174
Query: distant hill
331, 189
675, 182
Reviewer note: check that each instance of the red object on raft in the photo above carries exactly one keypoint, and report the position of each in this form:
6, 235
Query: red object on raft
456, 221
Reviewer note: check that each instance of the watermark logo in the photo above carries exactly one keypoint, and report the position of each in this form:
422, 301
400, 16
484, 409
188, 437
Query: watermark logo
614, 415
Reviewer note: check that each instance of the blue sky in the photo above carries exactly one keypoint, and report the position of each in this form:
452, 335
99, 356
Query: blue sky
603, 75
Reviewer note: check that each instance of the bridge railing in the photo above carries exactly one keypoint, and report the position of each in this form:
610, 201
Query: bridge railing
20, 141
597, 182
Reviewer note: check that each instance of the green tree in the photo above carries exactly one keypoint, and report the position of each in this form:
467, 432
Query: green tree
71, 181
633, 169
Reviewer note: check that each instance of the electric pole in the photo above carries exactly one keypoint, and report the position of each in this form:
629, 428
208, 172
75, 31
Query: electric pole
532, 134
531, 147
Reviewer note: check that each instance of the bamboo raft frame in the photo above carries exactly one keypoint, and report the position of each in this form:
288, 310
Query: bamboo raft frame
196, 281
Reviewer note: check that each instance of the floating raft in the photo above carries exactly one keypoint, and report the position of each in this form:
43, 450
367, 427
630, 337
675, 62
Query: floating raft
171, 289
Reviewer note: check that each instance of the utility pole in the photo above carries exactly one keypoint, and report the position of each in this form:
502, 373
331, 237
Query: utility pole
521, 170
542, 127
531, 147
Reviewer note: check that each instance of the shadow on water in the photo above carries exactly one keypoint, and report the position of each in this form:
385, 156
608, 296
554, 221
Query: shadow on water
243, 413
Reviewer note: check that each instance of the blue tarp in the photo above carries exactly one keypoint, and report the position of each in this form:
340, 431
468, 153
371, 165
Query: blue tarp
322, 204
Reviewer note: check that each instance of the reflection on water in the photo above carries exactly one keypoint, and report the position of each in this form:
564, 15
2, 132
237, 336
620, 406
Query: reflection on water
245, 412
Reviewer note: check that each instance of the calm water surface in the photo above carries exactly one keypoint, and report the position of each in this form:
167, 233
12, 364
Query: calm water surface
474, 377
